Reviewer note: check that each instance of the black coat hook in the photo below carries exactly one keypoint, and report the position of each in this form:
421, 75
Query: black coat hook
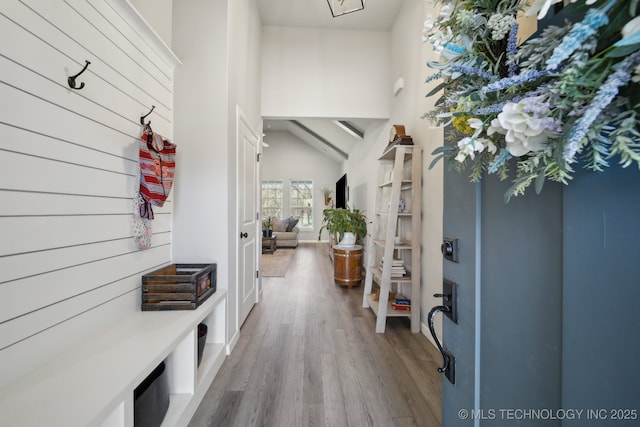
72, 80
143, 117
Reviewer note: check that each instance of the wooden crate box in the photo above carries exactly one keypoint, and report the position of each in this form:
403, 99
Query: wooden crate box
178, 287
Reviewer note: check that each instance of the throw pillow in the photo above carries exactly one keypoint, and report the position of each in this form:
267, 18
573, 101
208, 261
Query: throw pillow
279, 224
292, 223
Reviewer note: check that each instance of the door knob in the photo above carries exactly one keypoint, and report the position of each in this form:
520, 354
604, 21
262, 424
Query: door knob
449, 248
446, 248
245, 234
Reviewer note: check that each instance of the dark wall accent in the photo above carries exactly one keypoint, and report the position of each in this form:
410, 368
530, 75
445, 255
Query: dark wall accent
521, 303
559, 286
601, 301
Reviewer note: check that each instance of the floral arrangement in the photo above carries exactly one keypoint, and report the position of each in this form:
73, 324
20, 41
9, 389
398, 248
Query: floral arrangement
570, 94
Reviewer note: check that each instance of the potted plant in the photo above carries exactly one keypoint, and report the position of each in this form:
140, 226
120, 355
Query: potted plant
267, 225
349, 224
327, 192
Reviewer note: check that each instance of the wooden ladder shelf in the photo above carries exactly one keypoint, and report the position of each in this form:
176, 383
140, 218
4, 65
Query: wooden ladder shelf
400, 179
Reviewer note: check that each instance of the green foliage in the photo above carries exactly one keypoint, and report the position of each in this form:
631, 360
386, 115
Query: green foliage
570, 94
339, 221
326, 192
626, 140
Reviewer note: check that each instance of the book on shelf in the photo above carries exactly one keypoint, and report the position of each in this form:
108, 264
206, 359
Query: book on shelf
394, 262
400, 302
400, 306
398, 273
397, 267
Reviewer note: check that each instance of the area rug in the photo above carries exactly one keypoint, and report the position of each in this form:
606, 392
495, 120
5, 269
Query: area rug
277, 263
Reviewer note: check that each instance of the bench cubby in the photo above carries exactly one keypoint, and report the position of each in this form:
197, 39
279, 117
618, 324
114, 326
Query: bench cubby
92, 384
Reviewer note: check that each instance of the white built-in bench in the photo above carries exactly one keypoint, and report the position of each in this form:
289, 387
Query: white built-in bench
92, 384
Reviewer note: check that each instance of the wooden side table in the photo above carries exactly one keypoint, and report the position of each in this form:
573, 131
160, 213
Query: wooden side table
347, 265
268, 245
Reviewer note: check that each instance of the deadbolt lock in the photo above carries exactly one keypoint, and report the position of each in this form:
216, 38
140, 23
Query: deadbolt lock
449, 248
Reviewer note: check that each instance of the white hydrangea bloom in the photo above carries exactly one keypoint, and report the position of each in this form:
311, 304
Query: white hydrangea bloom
523, 132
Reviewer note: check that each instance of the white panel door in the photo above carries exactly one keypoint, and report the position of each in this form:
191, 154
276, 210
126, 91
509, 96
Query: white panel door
247, 143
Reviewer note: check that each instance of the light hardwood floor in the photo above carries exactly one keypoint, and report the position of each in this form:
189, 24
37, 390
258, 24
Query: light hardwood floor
308, 355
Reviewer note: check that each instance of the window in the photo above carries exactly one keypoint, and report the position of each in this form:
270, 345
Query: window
301, 202
271, 198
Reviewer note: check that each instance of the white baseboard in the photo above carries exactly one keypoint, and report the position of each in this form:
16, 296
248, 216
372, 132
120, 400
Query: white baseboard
424, 329
232, 342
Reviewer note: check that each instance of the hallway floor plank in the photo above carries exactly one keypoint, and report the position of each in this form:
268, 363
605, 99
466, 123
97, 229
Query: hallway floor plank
308, 355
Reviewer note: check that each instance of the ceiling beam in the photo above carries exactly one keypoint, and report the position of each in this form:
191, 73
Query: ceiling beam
349, 128
344, 155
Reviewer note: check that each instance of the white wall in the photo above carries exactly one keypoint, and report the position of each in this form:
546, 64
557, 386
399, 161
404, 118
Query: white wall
201, 90
325, 73
362, 167
214, 79
409, 56
430, 139
243, 77
287, 158
159, 15
69, 266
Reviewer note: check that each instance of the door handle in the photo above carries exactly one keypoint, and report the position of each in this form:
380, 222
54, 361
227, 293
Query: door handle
445, 358
449, 308
245, 234
448, 359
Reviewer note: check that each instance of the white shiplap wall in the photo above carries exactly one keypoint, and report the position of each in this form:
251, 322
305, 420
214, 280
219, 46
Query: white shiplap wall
68, 262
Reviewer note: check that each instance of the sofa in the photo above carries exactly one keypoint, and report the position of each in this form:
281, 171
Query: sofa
286, 231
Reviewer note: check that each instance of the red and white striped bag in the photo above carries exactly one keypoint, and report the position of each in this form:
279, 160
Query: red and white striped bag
157, 166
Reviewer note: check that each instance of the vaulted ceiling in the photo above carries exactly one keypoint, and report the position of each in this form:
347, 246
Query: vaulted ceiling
325, 135
333, 138
378, 15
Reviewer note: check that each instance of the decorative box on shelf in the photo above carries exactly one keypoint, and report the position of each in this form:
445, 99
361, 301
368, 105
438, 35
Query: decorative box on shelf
178, 287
